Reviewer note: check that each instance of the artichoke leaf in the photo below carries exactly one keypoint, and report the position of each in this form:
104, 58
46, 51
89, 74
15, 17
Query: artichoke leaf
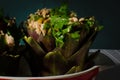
55, 62
93, 56
48, 42
83, 36
70, 46
80, 56
90, 60
74, 69
35, 46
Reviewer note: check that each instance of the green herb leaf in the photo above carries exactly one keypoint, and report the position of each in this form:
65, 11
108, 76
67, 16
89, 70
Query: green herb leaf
58, 22
75, 35
34, 17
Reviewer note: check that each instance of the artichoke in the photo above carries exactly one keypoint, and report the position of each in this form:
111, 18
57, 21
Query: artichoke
10, 47
61, 39
10, 36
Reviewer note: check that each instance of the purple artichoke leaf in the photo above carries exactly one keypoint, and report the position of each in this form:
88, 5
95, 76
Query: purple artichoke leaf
35, 36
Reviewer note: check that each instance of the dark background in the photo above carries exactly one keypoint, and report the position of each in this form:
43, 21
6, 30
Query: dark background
105, 11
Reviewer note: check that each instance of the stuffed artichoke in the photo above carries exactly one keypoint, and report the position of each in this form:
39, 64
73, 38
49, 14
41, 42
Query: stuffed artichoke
61, 39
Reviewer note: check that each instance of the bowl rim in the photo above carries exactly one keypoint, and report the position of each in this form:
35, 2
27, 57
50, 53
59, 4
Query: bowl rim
54, 77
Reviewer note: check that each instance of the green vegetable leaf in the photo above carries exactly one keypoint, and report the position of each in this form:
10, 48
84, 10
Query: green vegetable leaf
75, 35
61, 11
34, 17
58, 32
58, 22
